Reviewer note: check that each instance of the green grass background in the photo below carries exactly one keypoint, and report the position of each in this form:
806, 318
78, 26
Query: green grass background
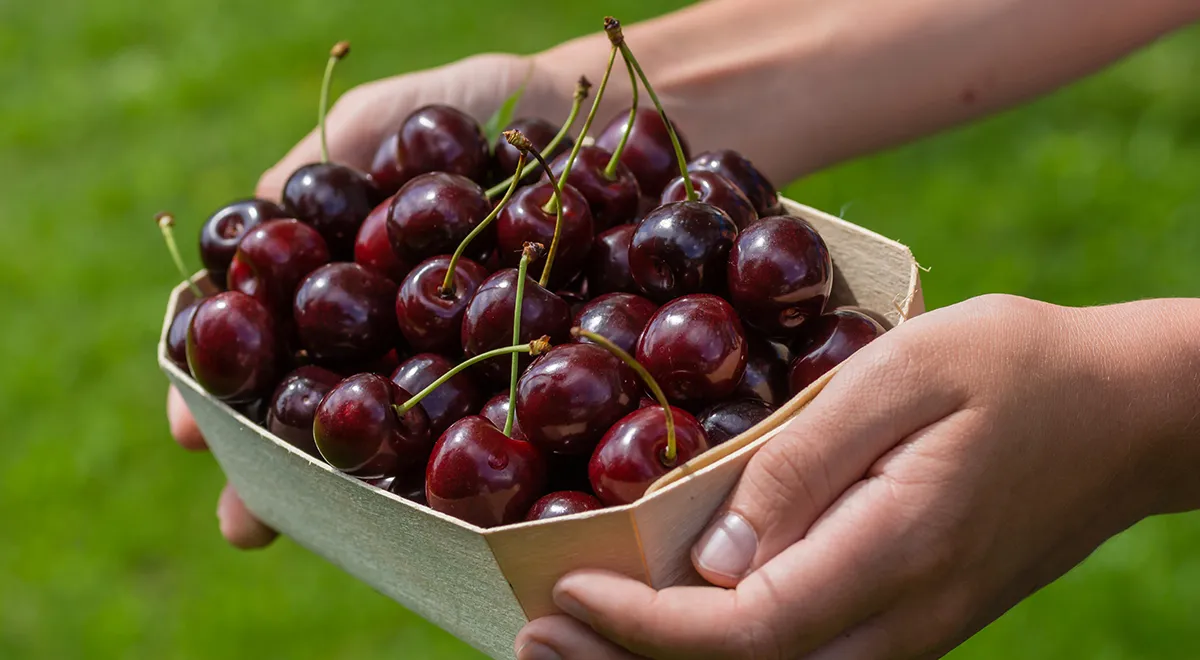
110, 111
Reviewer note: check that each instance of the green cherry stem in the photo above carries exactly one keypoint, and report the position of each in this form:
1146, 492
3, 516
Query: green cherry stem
166, 223
671, 453
612, 27
535, 347
339, 50
581, 93
531, 252
610, 171
587, 123
557, 210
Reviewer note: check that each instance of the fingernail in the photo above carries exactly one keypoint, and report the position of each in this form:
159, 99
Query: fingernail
727, 547
571, 606
537, 651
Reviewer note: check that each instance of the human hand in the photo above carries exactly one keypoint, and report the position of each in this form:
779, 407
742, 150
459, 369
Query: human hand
950, 469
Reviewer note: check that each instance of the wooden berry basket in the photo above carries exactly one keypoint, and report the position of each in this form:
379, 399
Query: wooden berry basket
483, 585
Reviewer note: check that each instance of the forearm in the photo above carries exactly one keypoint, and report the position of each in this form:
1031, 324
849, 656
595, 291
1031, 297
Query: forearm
798, 86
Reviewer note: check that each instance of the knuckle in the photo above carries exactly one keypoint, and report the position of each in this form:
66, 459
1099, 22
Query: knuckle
791, 473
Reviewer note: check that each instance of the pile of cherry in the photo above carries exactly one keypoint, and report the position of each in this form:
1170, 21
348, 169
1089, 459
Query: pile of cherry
370, 319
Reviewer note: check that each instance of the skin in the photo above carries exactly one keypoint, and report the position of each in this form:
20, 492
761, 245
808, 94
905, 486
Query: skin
874, 538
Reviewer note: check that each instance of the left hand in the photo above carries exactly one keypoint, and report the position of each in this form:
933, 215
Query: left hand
951, 468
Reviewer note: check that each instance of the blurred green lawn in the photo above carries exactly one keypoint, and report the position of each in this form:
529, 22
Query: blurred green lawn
113, 110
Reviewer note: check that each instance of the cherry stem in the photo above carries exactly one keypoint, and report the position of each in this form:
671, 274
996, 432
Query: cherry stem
581, 93
671, 453
166, 222
612, 27
339, 50
610, 171
531, 252
587, 123
447, 290
535, 347
556, 202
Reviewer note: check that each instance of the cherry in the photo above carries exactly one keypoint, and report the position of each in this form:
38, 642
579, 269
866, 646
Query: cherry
177, 334
607, 268
828, 341
568, 472
695, 347
613, 200
373, 249
562, 503
525, 220
224, 229
716, 190
433, 213
434, 138
649, 154
496, 412
488, 320
344, 314
483, 477
620, 317
631, 455
730, 419
571, 395
294, 405
540, 132
780, 274
410, 485
359, 431
273, 259
231, 347
255, 411
766, 376
430, 319
451, 401
681, 248
733, 166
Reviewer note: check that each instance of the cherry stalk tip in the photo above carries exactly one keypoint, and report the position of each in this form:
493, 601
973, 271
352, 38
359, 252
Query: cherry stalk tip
612, 27
164, 220
340, 50
517, 139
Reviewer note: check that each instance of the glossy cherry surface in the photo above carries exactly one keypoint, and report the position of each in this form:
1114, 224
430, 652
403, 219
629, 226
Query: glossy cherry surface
766, 376
357, 430
430, 320
496, 412
488, 321
540, 132
681, 248
730, 419
523, 220
345, 314
712, 188
780, 274
618, 317
334, 199
649, 153
695, 347
434, 212
827, 342
294, 405
273, 259
223, 231
614, 200
451, 401
607, 268
631, 455
232, 348
735, 167
572, 394
562, 503
177, 334
481, 476
373, 249
434, 138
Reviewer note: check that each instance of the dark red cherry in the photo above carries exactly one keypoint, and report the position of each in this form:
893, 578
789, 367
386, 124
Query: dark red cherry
334, 199
255, 411
766, 376
488, 321
481, 476
712, 188
572, 394
232, 347
429, 320
780, 274
729, 419
613, 201
273, 259
359, 432
294, 405
434, 138
373, 249
568, 472
562, 503
410, 485
631, 455
523, 220
618, 317
828, 341
695, 347
344, 314
451, 401
681, 248
177, 334
540, 132
496, 412
434, 212
607, 267
733, 166
649, 153
223, 231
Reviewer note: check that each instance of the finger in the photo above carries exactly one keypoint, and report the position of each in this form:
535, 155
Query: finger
564, 638
183, 425
238, 525
879, 397
919, 627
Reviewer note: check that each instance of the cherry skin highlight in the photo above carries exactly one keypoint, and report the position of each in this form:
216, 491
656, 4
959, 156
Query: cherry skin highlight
357, 429
649, 153
829, 341
273, 259
434, 138
780, 275
294, 405
523, 220
334, 199
735, 167
607, 268
681, 248
562, 503
730, 419
712, 188
488, 321
496, 412
451, 401
431, 320
612, 201
695, 347
373, 249
433, 213
224, 229
631, 454
344, 314
232, 348
618, 317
